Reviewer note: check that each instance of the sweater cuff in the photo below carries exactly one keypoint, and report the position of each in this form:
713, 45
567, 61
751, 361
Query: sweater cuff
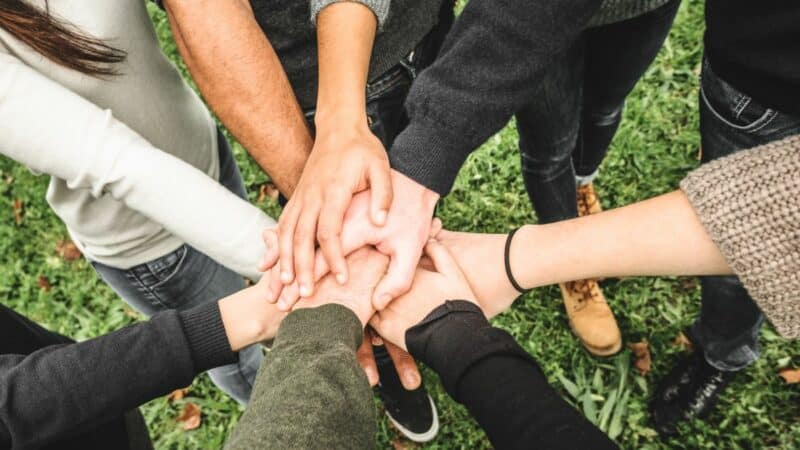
329, 324
456, 336
206, 335
379, 7
427, 155
747, 203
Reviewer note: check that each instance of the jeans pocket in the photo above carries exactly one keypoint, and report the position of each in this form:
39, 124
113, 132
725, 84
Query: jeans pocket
732, 108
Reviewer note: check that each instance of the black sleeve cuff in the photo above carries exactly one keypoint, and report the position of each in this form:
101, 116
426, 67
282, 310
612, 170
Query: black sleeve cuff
207, 339
454, 337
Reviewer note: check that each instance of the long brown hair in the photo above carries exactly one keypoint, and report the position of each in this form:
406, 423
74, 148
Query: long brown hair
57, 40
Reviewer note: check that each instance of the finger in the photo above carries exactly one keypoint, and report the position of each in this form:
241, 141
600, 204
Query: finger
436, 227
366, 359
305, 238
275, 285
443, 261
380, 183
289, 296
398, 278
270, 238
405, 366
329, 233
286, 228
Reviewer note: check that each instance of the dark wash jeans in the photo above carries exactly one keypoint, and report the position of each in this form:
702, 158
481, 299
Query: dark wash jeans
730, 121
21, 336
567, 127
386, 114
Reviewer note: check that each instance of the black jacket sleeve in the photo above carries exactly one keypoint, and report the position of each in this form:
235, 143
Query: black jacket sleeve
62, 390
483, 368
490, 65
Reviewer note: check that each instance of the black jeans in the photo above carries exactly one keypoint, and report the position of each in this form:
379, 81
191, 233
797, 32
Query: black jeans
727, 329
21, 336
567, 127
386, 96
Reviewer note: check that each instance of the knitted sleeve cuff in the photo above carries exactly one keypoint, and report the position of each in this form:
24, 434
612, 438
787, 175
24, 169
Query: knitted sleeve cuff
328, 324
379, 7
749, 204
206, 335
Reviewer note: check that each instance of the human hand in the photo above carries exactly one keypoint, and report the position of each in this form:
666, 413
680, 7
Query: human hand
430, 289
403, 362
407, 228
481, 259
356, 295
343, 162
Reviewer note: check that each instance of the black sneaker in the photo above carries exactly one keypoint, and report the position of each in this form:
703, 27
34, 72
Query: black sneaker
689, 391
411, 412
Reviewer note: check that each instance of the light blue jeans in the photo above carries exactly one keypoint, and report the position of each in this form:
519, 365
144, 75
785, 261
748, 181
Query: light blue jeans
186, 278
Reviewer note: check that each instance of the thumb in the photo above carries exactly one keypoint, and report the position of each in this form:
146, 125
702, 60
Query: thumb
443, 260
380, 193
271, 251
398, 278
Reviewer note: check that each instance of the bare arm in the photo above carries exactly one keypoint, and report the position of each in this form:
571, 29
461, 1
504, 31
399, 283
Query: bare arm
243, 81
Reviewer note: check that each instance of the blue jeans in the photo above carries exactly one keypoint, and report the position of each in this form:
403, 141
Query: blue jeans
568, 125
186, 278
729, 322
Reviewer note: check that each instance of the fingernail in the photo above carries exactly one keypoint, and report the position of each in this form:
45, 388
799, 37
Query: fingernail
376, 340
286, 277
341, 278
432, 241
283, 304
305, 290
380, 217
411, 379
372, 377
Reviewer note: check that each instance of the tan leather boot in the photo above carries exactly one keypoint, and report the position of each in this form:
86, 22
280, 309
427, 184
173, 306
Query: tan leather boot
590, 317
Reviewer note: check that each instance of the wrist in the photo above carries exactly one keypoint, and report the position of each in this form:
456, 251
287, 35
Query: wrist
425, 197
245, 326
338, 116
524, 268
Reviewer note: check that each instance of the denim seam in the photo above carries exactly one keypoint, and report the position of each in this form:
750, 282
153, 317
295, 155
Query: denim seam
758, 124
177, 267
141, 286
741, 105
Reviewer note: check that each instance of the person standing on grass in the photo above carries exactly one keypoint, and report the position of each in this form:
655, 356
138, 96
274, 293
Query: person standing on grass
341, 70
489, 68
139, 173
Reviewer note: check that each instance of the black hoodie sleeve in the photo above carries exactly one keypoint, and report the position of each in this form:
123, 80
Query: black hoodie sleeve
68, 388
485, 369
489, 67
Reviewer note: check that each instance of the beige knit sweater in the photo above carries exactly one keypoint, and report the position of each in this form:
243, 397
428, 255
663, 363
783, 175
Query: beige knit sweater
749, 203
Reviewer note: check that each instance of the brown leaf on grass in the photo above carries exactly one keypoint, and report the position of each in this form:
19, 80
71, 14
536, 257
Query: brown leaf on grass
397, 444
68, 250
17, 206
641, 351
790, 376
44, 283
683, 342
190, 416
267, 190
177, 394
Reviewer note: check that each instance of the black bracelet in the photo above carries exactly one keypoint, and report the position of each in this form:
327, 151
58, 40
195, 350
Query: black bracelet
508, 264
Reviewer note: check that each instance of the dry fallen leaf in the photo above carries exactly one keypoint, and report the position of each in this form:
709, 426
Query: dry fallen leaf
397, 444
790, 376
683, 342
44, 283
190, 416
267, 190
17, 206
178, 394
68, 250
641, 350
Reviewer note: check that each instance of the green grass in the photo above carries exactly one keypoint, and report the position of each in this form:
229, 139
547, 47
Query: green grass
655, 147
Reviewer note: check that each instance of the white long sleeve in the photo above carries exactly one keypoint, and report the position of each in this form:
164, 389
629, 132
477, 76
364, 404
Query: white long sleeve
55, 131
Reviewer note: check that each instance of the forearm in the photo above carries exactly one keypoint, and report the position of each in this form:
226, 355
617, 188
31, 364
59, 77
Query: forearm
243, 81
310, 391
660, 236
344, 28
483, 368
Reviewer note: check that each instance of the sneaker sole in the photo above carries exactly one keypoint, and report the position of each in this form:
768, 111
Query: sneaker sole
419, 438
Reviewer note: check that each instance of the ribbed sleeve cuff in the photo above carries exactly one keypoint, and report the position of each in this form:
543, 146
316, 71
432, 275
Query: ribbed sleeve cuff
379, 7
749, 204
329, 325
427, 155
454, 337
206, 335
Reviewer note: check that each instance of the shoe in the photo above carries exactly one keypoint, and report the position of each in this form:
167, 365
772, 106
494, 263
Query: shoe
413, 413
689, 391
591, 318
588, 202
